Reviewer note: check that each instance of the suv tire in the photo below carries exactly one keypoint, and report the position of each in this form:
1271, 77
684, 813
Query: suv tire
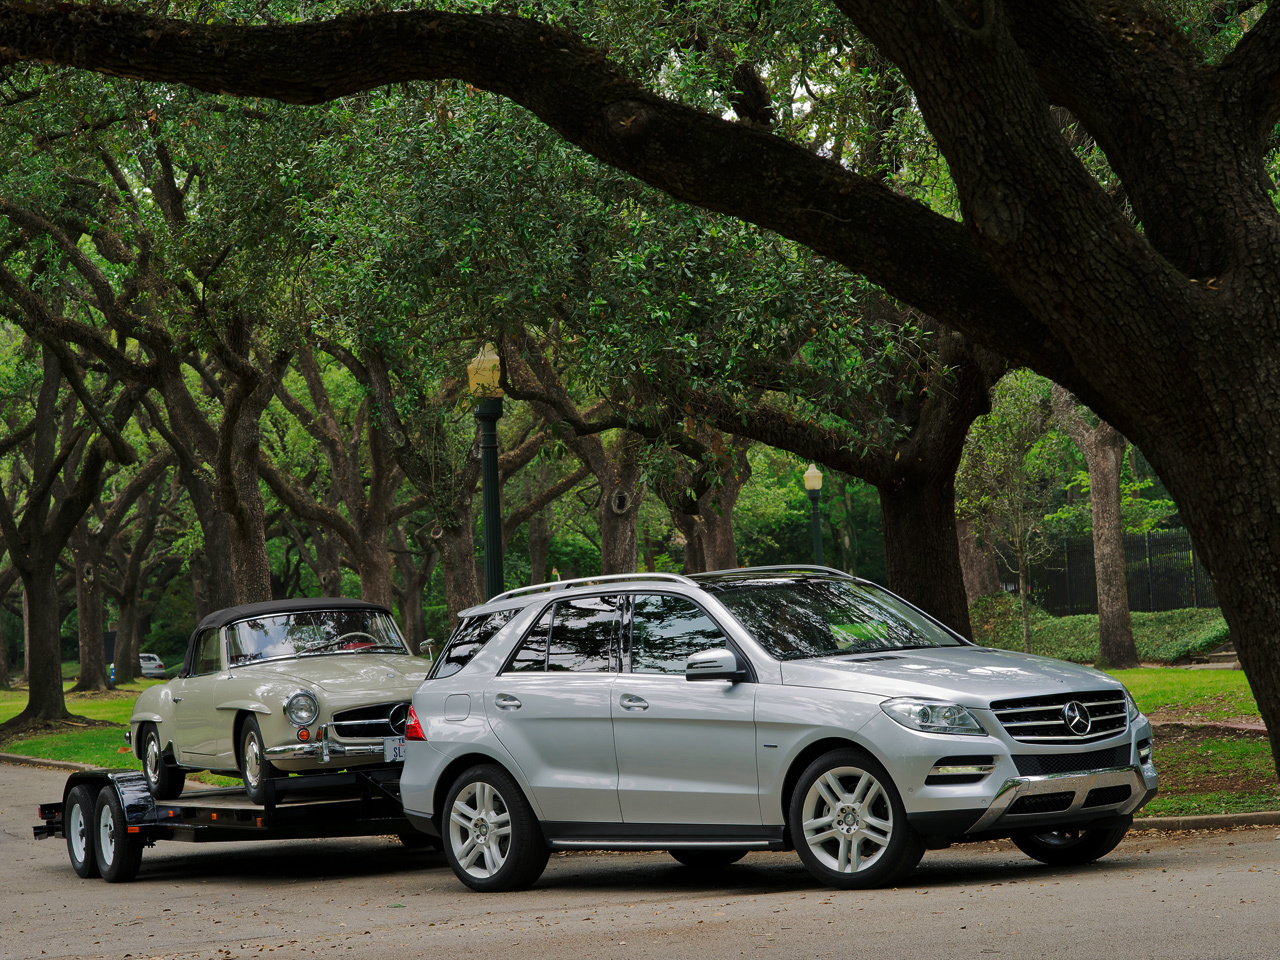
848, 822
491, 837
1070, 848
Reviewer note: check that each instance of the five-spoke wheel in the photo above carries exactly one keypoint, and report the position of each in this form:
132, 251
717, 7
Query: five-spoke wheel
492, 839
849, 824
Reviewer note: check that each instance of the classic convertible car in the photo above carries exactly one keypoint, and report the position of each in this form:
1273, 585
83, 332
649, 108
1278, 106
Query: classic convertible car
281, 687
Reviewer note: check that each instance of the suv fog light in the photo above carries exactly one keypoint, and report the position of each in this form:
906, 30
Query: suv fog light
933, 716
302, 709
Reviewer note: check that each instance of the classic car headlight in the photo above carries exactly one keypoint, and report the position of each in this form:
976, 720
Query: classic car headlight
302, 709
933, 716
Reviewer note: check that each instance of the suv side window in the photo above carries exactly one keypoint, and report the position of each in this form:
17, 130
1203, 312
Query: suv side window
666, 630
208, 653
583, 635
532, 655
578, 636
468, 638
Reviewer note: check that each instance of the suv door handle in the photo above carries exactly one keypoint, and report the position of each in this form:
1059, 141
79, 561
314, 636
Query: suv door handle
505, 701
629, 701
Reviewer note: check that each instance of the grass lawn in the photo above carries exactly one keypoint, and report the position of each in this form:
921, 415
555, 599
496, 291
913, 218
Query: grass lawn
1201, 771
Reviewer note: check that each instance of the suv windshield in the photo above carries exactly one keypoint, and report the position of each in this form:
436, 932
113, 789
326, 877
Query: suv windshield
313, 632
798, 619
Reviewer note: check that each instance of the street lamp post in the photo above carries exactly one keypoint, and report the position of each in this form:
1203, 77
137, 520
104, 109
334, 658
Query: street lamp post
483, 373
813, 487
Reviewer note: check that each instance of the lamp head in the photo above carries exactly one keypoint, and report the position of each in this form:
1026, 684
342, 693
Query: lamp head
484, 372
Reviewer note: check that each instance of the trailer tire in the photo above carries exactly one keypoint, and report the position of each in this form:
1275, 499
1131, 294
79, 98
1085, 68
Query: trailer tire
254, 765
78, 826
164, 780
118, 851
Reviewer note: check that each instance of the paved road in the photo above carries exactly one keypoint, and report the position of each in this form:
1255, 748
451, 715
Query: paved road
1171, 896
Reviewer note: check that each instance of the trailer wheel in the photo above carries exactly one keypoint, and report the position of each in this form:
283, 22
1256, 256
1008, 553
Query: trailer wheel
254, 765
163, 780
119, 852
77, 825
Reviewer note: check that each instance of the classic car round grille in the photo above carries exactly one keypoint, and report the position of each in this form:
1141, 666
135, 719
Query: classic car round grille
379, 720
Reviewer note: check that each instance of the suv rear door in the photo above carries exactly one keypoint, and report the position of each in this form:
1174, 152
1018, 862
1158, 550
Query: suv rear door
549, 707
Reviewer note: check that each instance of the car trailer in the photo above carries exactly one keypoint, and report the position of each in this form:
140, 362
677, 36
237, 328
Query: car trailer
109, 816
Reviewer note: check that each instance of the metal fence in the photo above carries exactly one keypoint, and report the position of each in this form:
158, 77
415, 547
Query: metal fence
1162, 572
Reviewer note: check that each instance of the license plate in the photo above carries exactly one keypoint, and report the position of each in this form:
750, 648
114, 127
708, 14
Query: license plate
393, 749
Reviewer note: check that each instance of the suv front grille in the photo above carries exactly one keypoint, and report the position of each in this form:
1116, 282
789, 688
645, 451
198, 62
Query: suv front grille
379, 720
1064, 718
1042, 803
1032, 764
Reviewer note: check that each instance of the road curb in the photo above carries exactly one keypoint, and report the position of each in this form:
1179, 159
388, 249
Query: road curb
20, 760
1212, 821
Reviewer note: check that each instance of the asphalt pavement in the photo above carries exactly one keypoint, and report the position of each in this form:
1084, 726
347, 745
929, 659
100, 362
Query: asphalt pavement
1196, 895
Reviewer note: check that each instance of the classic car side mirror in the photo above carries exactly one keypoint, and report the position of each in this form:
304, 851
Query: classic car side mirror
717, 664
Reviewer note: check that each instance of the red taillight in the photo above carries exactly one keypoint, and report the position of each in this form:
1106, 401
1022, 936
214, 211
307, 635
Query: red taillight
412, 728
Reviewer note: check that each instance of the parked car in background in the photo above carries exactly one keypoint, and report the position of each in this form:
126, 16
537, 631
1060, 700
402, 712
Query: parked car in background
771, 708
152, 666
268, 689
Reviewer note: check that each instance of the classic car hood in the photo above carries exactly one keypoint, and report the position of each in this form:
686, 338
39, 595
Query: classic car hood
348, 671
973, 676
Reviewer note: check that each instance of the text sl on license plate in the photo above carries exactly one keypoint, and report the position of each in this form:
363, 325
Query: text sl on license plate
393, 749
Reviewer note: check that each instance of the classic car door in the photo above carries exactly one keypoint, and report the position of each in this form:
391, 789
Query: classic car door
197, 721
686, 749
550, 708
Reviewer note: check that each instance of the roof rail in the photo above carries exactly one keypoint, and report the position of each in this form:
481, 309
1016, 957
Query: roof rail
782, 568
585, 581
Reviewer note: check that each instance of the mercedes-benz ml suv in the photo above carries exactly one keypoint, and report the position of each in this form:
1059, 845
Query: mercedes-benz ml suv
757, 709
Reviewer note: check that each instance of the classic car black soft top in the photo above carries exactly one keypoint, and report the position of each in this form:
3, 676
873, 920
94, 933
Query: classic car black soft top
270, 608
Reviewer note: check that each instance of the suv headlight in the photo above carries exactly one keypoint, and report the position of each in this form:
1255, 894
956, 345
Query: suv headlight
1134, 712
302, 709
933, 716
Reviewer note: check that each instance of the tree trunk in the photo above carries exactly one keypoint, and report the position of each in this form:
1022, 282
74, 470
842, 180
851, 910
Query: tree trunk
93, 668
1116, 650
977, 563
44, 646
375, 574
461, 585
128, 643
690, 529
539, 545
922, 555
1023, 606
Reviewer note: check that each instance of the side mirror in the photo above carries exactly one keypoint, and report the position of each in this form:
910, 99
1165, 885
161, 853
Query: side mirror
718, 664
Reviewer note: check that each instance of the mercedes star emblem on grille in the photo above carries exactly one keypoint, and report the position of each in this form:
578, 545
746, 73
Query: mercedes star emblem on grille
399, 716
1076, 716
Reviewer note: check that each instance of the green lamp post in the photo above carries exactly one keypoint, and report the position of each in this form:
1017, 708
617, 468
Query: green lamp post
813, 487
483, 374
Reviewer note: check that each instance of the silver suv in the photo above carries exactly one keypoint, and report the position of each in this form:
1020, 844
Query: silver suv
757, 709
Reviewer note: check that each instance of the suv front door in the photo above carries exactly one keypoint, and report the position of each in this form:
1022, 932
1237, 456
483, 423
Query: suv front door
686, 749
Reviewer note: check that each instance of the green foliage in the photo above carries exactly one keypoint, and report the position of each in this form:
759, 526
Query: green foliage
1163, 637
1140, 514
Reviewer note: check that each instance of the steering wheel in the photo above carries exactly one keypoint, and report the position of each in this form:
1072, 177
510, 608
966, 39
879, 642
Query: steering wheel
344, 642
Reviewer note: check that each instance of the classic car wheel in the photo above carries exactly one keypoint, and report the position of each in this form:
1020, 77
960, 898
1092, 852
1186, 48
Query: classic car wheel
708, 858
163, 780
77, 824
493, 841
1068, 848
119, 852
848, 822
254, 765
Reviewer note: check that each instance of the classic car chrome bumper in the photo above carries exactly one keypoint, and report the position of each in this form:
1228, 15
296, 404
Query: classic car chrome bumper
323, 749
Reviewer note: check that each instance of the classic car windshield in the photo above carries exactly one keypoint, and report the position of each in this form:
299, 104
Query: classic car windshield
798, 619
313, 632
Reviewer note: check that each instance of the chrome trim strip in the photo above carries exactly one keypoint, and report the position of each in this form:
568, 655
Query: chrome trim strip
1079, 783
658, 844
